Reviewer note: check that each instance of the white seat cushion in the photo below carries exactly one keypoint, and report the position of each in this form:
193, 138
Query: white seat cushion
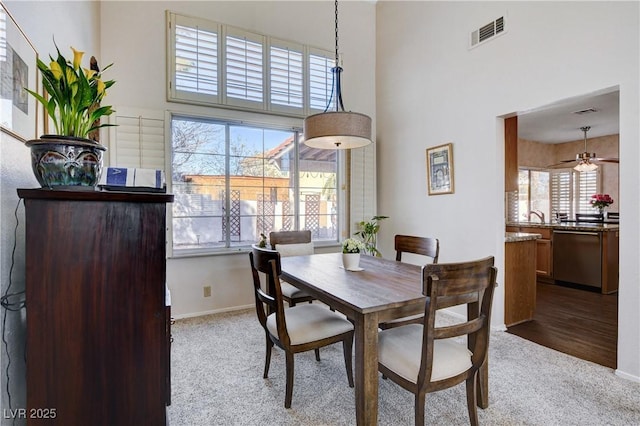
309, 322
400, 350
300, 249
291, 291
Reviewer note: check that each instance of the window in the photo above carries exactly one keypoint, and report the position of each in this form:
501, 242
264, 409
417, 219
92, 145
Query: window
234, 181
215, 64
551, 191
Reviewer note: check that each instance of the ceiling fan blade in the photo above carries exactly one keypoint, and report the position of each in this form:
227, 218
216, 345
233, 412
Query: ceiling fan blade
607, 160
563, 164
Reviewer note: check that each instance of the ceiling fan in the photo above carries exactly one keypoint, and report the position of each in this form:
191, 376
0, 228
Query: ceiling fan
586, 160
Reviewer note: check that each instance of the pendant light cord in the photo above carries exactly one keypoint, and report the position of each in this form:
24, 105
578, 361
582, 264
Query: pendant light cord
337, 57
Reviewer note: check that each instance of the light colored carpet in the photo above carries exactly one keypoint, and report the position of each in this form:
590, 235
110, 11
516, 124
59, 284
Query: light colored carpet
217, 363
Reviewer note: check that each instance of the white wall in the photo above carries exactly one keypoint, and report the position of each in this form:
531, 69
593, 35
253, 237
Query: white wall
40, 21
432, 90
133, 36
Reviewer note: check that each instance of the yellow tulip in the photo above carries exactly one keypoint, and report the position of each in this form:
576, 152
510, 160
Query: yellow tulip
101, 88
77, 57
56, 70
89, 73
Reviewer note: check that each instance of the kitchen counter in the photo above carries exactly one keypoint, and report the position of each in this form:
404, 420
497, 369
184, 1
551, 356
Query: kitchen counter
573, 226
512, 237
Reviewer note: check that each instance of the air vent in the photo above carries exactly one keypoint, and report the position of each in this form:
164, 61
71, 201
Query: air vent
487, 32
585, 111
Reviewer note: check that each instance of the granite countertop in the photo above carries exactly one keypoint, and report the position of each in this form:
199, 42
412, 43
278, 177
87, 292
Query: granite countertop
512, 237
569, 226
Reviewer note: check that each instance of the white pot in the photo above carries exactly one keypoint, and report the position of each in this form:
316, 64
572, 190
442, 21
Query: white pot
350, 261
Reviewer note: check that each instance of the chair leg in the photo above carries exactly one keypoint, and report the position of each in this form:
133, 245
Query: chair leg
267, 360
471, 399
317, 351
289, 387
419, 408
347, 345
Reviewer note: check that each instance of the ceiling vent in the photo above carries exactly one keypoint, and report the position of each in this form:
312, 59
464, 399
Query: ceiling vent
585, 111
488, 32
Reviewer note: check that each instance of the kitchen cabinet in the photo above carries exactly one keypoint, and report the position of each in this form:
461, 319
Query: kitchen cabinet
97, 326
544, 252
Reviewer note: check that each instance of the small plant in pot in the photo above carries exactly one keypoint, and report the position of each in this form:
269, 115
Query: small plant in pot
71, 157
368, 232
351, 249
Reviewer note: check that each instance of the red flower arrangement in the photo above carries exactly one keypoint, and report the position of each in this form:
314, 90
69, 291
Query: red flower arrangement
600, 201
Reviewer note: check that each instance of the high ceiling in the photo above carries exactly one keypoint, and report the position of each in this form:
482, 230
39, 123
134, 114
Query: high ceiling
559, 122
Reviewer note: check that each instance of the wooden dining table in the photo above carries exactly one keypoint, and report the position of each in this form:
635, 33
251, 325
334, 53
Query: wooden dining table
381, 291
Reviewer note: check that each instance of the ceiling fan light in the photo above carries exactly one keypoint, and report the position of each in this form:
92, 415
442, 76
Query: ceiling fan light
585, 166
337, 130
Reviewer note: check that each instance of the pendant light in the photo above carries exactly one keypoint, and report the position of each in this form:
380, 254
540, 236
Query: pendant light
584, 158
337, 129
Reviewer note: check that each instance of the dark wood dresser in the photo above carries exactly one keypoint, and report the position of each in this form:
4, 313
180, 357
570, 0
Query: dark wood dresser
97, 325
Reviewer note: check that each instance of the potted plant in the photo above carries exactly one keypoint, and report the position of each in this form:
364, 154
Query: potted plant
351, 249
601, 201
368, 232
72, 156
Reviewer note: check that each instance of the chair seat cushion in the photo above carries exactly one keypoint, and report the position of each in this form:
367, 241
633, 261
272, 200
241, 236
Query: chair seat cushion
291, 291
310, 322
400, 350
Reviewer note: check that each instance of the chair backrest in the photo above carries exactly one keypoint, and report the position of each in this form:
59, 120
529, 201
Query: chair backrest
449, 284
289, 237
562, 217
589, 217
424, 246
268, 262
613, 215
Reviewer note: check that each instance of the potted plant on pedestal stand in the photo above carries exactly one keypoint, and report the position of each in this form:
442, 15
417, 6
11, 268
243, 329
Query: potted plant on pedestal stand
72, 157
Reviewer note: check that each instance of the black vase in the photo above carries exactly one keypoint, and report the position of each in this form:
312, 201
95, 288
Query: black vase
66, 162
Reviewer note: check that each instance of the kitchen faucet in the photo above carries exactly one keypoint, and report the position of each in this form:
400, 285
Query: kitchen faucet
538, 213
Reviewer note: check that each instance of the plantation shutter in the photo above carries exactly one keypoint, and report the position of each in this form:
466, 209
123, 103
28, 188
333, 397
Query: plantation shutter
244, 69
587, 184
320, 81
138, 140
286, 76
561, 194
195, 65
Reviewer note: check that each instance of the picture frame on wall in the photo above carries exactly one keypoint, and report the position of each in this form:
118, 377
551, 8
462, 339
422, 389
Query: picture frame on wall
440, 169
18, 109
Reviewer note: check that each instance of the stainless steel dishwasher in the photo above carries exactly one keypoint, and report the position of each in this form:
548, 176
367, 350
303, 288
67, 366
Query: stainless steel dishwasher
577, 257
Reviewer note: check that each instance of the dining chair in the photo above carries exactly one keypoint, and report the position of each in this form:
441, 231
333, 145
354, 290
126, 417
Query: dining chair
292, 243
613, 215
298, 328
589, 217
423, 358
425, 246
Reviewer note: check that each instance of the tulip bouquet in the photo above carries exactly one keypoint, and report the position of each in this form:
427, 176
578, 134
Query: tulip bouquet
600, 201
74, 94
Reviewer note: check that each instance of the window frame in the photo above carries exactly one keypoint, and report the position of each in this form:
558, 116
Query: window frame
222, 100
271, 123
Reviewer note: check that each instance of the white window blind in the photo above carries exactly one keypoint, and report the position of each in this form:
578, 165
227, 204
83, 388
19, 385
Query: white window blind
244, 68
587, 184
214, 64
561, 193
286, 75
320, 82
194, 65
139, 141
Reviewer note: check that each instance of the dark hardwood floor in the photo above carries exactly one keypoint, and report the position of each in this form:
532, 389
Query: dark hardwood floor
575, 321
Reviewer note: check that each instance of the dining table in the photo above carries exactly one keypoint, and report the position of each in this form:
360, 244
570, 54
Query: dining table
380, 290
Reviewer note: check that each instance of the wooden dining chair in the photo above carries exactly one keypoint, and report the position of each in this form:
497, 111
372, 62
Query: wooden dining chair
425, 246
423, 358
292, 243
589, 217
298, 328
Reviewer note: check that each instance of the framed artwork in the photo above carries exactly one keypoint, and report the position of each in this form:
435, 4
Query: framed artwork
18, 109
440, 169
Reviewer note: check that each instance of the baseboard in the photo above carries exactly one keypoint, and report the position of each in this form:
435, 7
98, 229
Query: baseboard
627, 376
213, 311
